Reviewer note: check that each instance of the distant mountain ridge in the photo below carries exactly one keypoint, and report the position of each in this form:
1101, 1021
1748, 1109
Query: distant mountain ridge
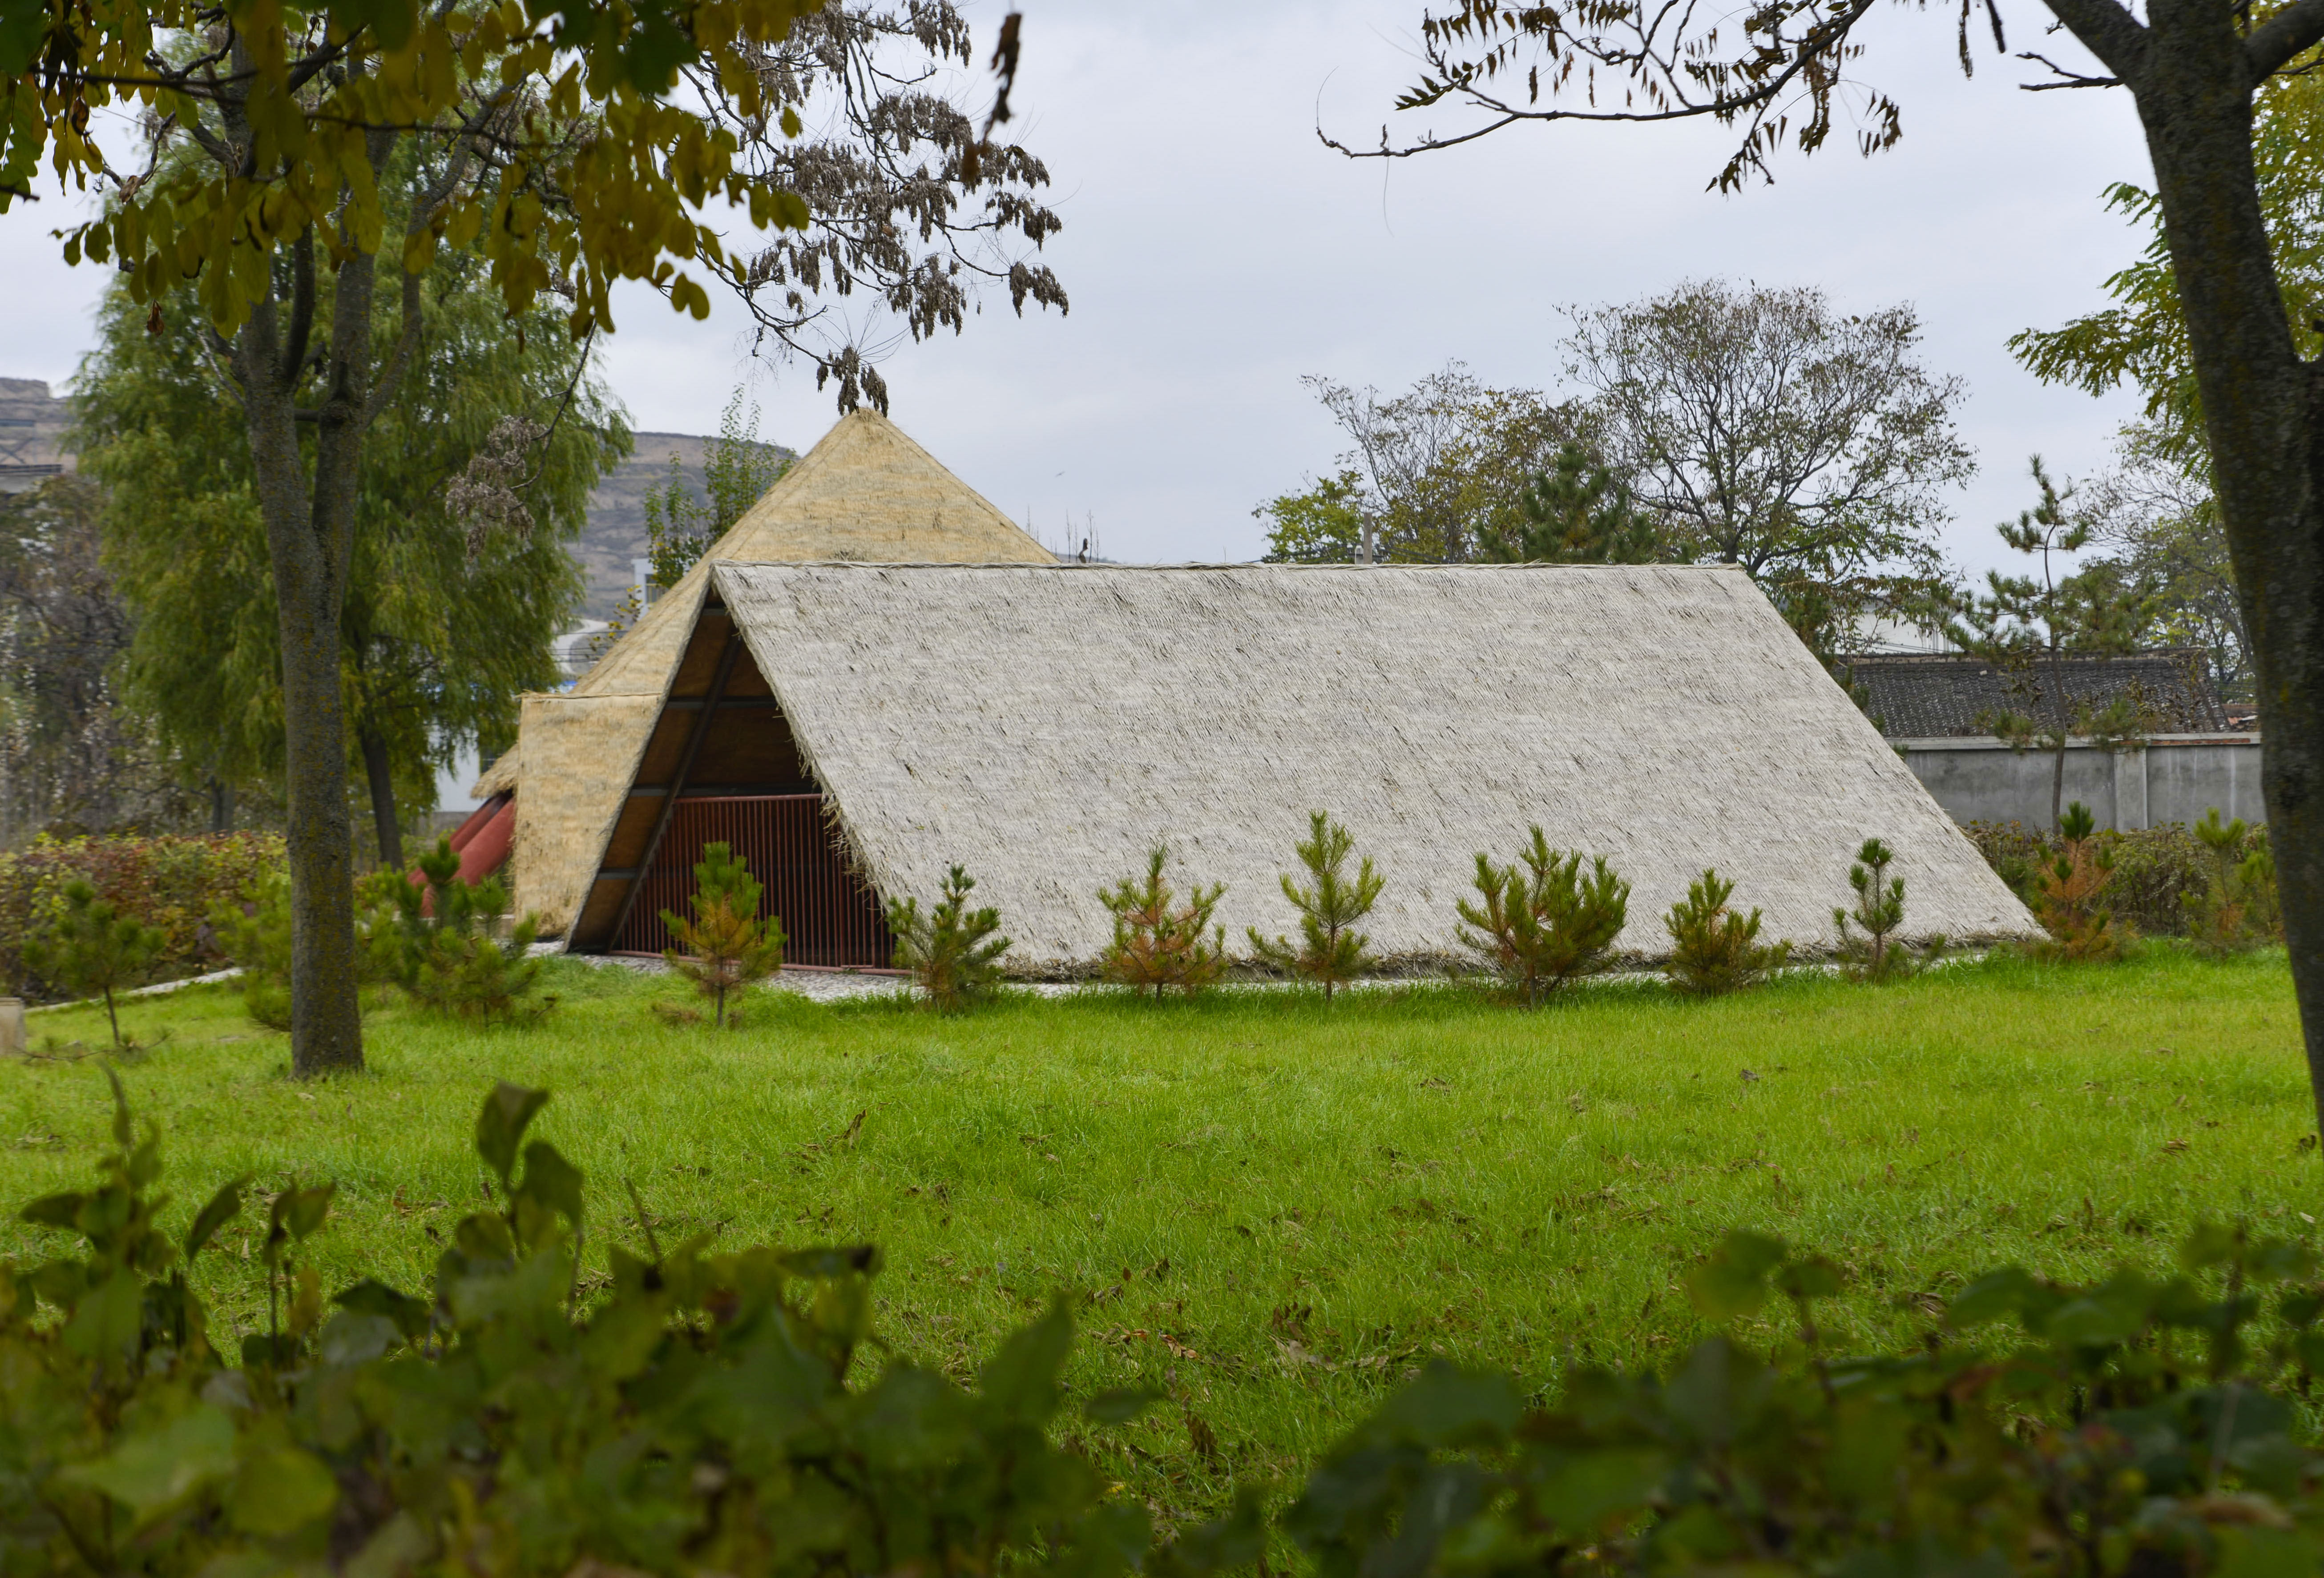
616, 532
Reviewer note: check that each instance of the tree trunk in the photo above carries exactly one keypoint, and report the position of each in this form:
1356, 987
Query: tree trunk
309, 538
385, 826
2264, 420
221, 806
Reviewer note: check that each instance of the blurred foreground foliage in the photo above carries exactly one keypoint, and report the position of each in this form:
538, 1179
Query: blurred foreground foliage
694, 1412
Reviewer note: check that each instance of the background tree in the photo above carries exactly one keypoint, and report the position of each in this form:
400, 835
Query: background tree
447, 615
2156, 519
580, 144
1330, 953
1432, 471
2193, 69
2028, 626
73, 757
1764, 429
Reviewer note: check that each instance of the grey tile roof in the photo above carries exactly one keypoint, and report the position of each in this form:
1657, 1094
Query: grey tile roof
1925, 697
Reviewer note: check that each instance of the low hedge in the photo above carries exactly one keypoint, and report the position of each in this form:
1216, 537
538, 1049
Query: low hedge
169, 881
723, 1414
2155, 868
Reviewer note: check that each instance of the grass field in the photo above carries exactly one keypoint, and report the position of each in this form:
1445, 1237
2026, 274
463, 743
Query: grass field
1271, 1210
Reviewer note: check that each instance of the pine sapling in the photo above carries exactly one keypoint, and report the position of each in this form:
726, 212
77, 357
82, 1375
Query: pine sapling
91, 951
1158, 942
2066, 891
256, 936
952, 951
1879, 911
1331, 951
725, 946
1543, 924
1713, 950
2238, 908
445, 947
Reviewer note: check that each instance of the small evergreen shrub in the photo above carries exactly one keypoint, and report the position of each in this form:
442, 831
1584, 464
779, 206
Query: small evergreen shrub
725, 946
91, 952
1330, 953
1713, 950
1540, 923
442, 944
2237, 907
2066, 894
255, 935
1879, 912
2155, 868
952, 952
1158, 941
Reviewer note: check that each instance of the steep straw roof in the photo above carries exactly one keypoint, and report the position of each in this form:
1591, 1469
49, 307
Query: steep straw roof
866, 491
1043, 725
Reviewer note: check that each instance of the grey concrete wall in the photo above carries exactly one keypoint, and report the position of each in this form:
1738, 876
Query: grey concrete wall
2175, 778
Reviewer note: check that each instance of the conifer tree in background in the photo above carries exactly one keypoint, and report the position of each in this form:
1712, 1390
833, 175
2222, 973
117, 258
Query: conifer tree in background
92, 950
444, 945
2028, 628
1713, 950
1331, 952
725, 946
1158, 942
952, 952
736, 469
1577, 512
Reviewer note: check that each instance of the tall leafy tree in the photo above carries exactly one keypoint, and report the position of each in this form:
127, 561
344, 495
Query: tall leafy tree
2194, 70
2156, 518
1764, 429
459, 580
736, 468
1430, 473
576, 144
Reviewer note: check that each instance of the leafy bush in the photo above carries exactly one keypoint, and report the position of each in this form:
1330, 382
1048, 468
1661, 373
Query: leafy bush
952, 952
2135, 1430
2156, 869
442, 944
171, 883
1879, 911
2066, 891
706, 1414
1713, 950
1331, 951
1157, 942
2237, 907
1540, 924
725, 946
91, 952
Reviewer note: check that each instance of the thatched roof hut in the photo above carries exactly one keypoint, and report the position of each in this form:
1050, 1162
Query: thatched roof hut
1042, 726
865, 492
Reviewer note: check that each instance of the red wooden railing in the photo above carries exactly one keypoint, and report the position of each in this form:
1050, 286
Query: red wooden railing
831, 918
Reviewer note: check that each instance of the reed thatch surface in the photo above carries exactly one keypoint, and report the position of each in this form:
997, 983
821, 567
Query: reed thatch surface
865, 492
1042, 727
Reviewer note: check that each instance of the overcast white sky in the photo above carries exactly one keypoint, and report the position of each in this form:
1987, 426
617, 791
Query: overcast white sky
1214, 253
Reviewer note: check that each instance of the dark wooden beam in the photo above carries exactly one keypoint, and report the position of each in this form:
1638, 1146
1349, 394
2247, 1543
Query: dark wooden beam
727, 652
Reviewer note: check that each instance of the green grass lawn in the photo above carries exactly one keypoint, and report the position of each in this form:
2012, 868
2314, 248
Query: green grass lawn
1269, 1210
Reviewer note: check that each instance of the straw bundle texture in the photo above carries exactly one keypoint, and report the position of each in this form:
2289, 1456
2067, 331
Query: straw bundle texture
1043, 727
864, 491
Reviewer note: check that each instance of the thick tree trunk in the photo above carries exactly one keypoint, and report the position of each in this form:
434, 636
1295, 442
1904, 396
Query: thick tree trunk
308, 536
381, 776
2264, 419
